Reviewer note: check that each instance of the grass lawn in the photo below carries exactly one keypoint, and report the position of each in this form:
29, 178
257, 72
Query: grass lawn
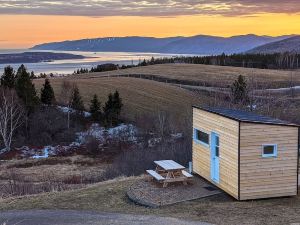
110, 196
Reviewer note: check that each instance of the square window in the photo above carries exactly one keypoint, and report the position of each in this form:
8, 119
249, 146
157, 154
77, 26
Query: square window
201, 137
269, 150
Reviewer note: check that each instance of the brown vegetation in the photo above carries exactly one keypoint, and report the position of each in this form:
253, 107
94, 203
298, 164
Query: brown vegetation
110, 196
139, 96
31, 176
208, 75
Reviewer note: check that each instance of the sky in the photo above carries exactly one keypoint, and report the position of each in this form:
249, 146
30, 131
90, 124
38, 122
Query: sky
24, 23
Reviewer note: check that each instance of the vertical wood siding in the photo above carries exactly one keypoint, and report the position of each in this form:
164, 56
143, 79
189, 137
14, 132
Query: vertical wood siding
228, 131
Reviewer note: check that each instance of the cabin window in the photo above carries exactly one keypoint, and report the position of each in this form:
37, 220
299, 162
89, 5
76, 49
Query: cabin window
269, 150
201, 137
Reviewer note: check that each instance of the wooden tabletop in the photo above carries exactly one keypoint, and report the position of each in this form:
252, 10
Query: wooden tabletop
169, 165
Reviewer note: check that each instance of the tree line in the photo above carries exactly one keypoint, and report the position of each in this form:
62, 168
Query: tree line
261, 61
103, 68
19, 100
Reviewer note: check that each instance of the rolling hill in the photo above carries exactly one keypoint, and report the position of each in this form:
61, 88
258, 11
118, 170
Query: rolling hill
287, 45
206, 75
201, 44
140, 96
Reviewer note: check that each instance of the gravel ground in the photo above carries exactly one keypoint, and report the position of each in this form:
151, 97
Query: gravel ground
68, 217
152, 194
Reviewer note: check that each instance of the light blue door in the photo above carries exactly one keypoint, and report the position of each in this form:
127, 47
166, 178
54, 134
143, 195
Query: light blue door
214, 157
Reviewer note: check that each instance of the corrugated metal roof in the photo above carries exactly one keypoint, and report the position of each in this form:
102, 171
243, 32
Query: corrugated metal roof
245, 116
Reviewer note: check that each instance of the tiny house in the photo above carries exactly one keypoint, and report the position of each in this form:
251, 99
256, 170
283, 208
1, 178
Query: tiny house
247, 155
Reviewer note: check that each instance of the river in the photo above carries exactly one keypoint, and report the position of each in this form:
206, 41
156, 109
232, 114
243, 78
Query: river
59, 67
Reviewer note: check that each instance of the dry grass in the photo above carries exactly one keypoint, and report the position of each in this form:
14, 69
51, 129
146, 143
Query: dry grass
139, 96
210, 75
34, 170
110, 197
67, 172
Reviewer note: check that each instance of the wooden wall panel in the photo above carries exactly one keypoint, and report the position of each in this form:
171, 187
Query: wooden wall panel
267, 177
228, 131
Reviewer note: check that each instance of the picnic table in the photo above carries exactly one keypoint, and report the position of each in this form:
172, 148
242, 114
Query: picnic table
169, 171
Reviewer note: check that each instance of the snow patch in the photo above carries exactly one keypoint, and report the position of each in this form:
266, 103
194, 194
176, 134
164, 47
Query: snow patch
66, 109
122, 132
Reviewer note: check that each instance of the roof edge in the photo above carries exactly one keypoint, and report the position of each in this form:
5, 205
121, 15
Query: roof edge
245, 121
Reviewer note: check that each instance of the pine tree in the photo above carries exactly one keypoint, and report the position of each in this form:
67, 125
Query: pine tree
47, 93
112, 109
76, 102
239, 90
25, 89
117, 107
95, 109
108, 111
8, 78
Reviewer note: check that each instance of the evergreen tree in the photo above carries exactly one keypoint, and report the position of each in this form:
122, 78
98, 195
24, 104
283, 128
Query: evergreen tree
112, 109
8, 77
25, 89
108, 111
32, 75
239, 90
47, 93
144, 63
95, 109
76, 102
117, 107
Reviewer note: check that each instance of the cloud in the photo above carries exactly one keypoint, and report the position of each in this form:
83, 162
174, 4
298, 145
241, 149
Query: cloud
167, 8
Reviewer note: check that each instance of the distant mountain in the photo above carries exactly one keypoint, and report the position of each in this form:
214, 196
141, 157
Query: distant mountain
201, 44
36, 57
291, 44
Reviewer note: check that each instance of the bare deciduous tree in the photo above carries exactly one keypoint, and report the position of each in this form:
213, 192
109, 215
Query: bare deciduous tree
12, 115
65, 97
162, 123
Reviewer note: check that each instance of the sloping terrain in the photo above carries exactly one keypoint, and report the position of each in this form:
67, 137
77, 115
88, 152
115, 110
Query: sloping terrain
208, 75
287, 45
110, 196
139, 96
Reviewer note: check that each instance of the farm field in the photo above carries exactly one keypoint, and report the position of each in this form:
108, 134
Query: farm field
139, 95
208, 75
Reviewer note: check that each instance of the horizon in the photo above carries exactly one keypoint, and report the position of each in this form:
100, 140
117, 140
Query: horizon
236, 35
30, 22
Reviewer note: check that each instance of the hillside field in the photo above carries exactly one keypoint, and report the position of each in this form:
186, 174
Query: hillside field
139, 96
208, 75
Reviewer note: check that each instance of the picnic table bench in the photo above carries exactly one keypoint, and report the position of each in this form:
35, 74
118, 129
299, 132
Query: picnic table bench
169, 171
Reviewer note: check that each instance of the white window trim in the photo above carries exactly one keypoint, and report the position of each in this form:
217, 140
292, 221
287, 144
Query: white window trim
201, 142
274, 155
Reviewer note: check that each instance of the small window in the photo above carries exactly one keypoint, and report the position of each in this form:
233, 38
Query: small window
269, 150
217, 146
201, 137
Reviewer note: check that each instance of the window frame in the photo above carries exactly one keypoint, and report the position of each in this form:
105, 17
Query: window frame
275, 152
197, 140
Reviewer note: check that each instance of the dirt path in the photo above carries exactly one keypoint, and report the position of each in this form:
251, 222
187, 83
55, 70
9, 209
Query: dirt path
73, 217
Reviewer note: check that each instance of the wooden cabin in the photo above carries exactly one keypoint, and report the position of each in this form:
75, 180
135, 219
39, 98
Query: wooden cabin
247, 155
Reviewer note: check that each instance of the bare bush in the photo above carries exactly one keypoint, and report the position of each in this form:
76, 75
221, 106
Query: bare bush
135, 162
16, 186
92, 146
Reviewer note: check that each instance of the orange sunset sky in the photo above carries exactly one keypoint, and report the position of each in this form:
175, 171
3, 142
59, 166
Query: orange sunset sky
26, 23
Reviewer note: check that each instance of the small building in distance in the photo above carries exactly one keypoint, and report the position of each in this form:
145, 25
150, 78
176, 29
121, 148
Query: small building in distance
247, 155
